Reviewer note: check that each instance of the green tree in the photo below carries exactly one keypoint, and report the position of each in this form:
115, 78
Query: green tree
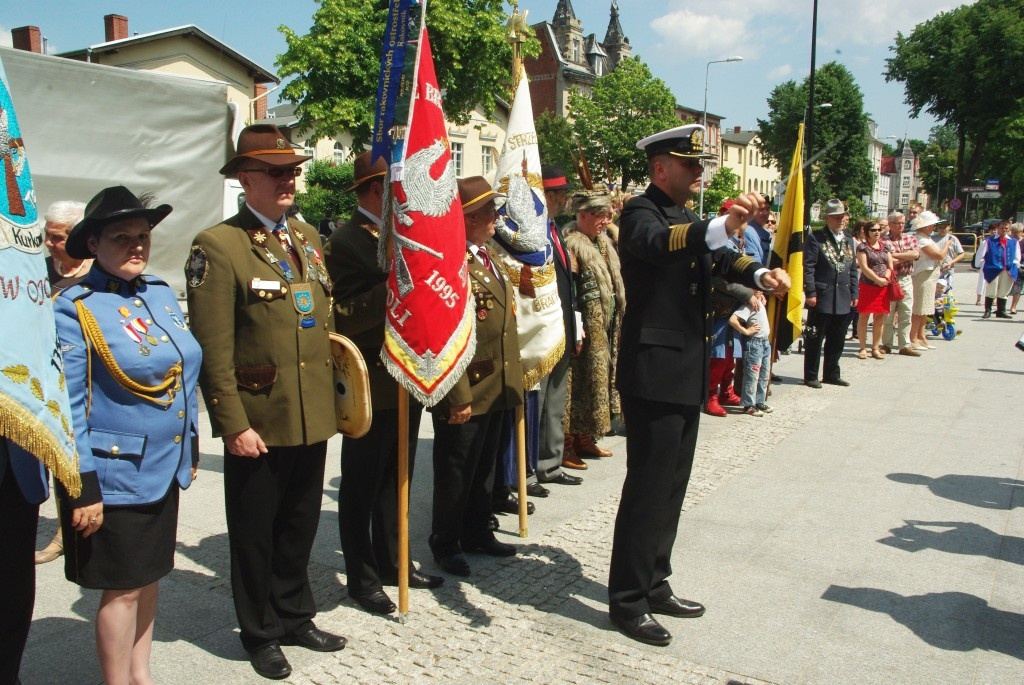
842, 168
723, 185
336, 65
626, 105
556, 142
965, 67
326, 183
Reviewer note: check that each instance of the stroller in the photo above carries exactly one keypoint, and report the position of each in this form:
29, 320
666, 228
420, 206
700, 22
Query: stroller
944, 319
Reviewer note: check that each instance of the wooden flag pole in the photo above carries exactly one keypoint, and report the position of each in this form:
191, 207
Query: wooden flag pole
403, 502
521, 468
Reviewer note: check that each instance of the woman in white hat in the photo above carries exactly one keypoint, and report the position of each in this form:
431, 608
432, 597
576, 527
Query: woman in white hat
924, 277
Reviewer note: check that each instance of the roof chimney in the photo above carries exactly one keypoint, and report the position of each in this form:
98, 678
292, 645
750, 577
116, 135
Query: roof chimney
736, 129
27, 38
115, 26
259, 95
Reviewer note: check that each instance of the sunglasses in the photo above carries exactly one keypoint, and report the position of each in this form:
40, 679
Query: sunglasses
874, 230
277, 171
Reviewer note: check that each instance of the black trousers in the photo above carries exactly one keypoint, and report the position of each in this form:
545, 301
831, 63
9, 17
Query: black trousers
273, 508
18, 523
464, 458
829, 329
368, 500
660, 443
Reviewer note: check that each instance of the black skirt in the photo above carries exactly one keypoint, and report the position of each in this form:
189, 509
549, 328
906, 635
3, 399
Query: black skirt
133, 548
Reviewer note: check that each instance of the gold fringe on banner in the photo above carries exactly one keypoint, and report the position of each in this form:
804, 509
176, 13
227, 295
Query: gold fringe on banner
20, 426
533, 376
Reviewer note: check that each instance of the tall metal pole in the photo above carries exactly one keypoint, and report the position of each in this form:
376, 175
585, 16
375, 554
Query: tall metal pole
809, 147
704, 119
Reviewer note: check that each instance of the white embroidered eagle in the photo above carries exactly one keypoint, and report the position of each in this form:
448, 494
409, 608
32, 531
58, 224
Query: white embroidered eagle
524, 211
424, 193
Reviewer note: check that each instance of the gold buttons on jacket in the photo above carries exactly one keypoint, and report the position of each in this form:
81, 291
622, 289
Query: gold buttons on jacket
137, 302
302, 365
164, 338
115, 450
181, 414
214, 402
177, 439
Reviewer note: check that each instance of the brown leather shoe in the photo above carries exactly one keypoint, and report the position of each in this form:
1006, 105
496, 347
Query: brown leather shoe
586, 447
571, 460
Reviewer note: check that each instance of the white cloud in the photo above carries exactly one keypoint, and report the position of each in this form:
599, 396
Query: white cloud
780, 72
700, 34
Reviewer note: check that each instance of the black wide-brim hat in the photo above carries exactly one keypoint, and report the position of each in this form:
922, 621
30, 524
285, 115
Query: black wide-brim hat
109, 206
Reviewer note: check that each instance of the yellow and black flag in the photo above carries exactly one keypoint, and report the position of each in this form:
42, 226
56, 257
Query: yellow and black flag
788, 254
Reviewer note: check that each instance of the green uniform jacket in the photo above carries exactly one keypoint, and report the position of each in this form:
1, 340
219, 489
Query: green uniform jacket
493, 381
360, 300
261, 369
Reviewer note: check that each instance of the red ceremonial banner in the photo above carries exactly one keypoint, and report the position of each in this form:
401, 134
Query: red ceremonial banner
429, 336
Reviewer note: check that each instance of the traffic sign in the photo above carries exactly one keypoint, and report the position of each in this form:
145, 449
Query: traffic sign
955, 204
988, 195
972, 189
992, 184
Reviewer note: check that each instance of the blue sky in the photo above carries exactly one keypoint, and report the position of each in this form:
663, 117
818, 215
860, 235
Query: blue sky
676, 38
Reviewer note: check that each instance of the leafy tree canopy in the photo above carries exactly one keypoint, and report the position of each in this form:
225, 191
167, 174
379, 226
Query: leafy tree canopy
336, 64
325, 191
723, 185
626, 105
556, 142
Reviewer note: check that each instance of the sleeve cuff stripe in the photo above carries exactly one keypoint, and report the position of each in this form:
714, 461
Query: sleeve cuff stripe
677, 237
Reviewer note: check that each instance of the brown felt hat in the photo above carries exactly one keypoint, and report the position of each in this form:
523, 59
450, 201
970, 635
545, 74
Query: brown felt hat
366, 172
474, 191
264, 143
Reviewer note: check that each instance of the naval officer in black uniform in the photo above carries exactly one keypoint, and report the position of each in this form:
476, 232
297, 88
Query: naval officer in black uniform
668, 258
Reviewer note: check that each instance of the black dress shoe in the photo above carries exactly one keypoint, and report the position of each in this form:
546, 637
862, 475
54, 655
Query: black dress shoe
376, 602
674, 606
418, 580
813, 383
564, 478
838, 381
316, 640
644, 628
454, 564
492, 548
492, 523
269, 661
536, 490
510, 505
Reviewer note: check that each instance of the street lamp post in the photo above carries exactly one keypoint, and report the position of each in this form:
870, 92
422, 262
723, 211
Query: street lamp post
704, 121
938, 180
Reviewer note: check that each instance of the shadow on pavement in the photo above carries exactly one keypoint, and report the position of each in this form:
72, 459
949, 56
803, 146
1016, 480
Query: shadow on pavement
956, 537
954, 621
980, 491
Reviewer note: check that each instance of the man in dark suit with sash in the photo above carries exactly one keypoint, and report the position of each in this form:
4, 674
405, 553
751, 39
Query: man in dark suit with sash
259, 303
830, 287
368, 494
668, 257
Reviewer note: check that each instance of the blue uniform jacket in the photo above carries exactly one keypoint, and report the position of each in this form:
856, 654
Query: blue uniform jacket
29, 472
134, 448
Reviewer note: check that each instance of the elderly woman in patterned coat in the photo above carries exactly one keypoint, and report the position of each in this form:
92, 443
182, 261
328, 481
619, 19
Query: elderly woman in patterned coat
602, 300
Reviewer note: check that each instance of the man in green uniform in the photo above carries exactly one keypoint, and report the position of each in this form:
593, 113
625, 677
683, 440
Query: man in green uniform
259, 302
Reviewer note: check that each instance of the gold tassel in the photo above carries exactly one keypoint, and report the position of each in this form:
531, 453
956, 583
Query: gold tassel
20, 426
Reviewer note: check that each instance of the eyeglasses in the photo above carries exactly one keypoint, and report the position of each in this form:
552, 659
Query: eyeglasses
277, 171
874, 230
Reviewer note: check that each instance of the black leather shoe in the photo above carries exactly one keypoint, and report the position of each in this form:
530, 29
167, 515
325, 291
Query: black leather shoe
674, 606
418, 580
376, 602
492, 548
644, 628
492, 523
510, 505
1003, 315
454, 564
536, 490
316, 640
838, 381
269, 661
564, 478
812, 383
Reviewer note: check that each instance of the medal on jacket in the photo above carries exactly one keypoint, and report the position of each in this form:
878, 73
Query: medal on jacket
134, 335
302, 298
143, 328
176, 319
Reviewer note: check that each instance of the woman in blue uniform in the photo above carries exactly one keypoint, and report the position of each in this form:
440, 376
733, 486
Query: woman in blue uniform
131, 366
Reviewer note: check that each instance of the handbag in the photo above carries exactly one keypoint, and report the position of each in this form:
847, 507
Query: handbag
895, 290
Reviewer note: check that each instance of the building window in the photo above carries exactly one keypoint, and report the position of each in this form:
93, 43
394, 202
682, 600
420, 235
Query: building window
725, 152
339, 153
487, 160
906, 165
906, 181
457, 158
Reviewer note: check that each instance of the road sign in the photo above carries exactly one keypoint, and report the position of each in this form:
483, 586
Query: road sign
988, 195
955, 204
972, 189
992, 184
